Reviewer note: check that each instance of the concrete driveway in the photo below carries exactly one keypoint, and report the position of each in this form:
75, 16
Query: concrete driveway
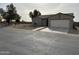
20, 42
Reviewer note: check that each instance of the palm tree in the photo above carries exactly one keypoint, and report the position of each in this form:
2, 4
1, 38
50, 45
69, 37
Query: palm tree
34, 14
31, 15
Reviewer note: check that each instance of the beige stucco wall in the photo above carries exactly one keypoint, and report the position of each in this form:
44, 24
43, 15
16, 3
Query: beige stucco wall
36, 20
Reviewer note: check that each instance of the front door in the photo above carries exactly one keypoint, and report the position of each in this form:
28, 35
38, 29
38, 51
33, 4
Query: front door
45, 22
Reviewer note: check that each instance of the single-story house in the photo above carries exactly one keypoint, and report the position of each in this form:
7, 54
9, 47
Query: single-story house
59, 22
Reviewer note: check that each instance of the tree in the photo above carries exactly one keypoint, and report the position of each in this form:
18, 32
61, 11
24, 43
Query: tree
34, 14
11, 13
39, 13
31, 15
1, 11
17, 18
6, 16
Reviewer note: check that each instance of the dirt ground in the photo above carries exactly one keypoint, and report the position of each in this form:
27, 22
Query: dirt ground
28, 26
23, 26
45, 29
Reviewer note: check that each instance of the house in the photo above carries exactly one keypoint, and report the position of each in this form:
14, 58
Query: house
58, 22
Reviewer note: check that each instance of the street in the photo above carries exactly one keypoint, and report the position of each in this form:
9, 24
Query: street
26, 42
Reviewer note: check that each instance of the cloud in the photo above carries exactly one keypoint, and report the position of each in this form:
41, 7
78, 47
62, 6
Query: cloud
45, 8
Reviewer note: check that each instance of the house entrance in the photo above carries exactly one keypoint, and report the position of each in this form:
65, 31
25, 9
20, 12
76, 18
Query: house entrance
45, 22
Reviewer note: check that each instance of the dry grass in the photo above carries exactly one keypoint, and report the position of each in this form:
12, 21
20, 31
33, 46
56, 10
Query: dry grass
24, 26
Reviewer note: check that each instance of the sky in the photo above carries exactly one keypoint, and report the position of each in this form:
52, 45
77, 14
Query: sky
23, 9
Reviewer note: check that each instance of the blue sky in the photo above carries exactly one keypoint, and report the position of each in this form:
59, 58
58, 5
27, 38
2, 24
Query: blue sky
45, 8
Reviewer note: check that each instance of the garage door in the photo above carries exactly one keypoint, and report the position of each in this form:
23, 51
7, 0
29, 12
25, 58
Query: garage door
60, 25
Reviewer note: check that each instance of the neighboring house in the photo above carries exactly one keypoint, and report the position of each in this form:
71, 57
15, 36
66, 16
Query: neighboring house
58, 22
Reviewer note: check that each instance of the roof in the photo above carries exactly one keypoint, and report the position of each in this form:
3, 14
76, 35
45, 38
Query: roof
44, 16
68, 14
47, 16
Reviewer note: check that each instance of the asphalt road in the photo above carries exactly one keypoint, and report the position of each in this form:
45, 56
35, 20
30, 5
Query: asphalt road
25, 42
